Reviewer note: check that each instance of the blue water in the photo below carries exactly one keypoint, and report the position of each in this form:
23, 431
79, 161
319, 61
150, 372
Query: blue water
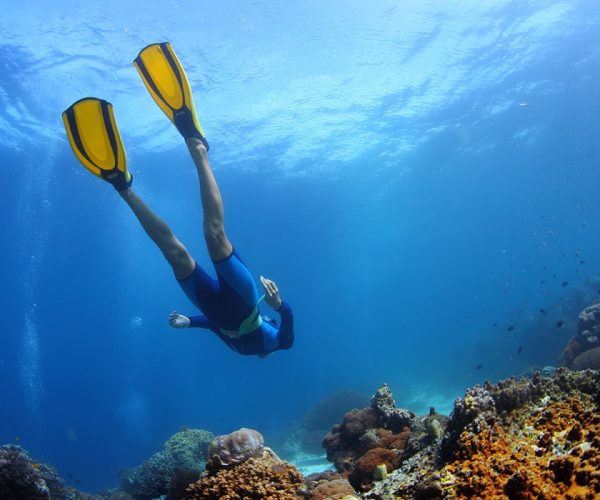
416, 176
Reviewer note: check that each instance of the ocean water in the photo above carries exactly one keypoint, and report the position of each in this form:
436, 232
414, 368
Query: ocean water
420, 178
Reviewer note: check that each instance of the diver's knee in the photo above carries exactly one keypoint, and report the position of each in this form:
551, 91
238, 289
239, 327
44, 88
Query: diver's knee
214, 234
178, 256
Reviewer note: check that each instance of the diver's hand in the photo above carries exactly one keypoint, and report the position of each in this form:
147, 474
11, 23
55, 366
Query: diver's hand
271, 293
177, 320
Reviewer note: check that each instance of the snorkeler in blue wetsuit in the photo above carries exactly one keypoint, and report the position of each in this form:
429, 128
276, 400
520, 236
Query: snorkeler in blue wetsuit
230, 303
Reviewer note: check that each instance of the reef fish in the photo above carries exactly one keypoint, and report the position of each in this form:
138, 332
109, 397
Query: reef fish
560, 324
510, 328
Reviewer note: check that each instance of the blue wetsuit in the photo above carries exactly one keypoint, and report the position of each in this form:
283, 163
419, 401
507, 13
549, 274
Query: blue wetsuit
231, 300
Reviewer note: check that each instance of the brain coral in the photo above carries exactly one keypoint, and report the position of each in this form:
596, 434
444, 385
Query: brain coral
234, 448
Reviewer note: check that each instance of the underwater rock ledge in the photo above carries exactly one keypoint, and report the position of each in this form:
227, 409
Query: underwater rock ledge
519, 438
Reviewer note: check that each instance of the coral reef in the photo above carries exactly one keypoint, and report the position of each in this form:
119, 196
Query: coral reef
18, 476
583, 351
185, 450
588, 324
21, 477
326, 485
363, 474
178, 487
233, 449
392, 418
573, 349
587, 360
337, 489
368, 438
527, 438
243, 468
551, 458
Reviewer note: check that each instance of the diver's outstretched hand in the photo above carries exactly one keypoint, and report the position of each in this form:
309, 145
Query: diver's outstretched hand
177, 320
271, 293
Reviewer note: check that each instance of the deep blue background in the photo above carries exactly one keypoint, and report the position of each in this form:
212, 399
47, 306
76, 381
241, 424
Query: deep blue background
416, 178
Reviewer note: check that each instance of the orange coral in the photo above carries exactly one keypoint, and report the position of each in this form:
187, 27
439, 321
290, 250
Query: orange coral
556, 454
362, 475
263, 477
338, 489
391, 441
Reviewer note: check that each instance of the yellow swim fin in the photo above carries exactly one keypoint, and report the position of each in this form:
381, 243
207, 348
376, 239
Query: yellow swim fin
168, 85
95, 139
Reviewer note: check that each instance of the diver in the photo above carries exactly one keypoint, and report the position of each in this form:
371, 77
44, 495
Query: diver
230, 304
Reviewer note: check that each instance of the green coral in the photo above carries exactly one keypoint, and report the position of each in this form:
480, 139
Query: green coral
184, 451
188, 447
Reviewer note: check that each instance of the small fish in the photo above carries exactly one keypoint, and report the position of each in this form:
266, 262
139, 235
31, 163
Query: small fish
560, 324
542, 282
17, 439
544, 312
36, 466
520, 349
479, 366
582, 261
510, 328
77, 481
564, 283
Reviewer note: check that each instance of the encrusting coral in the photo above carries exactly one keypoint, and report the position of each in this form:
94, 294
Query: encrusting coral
557, 455
527, 438
241, 467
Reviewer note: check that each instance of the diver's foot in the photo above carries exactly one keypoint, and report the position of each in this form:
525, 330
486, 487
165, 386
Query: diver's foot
196, 143
121, 181
184, 121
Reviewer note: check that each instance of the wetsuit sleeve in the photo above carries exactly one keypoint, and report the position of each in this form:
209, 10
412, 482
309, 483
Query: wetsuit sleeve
286, 330
200, 321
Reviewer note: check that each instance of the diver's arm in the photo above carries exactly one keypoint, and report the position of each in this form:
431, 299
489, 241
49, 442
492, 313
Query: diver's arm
286, 329
177, 320
201, 321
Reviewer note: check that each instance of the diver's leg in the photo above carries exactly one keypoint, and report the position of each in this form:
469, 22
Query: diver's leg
219, 247
158, 230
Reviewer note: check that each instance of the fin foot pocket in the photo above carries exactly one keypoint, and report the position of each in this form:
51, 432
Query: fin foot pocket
119, 180
184, 121
166, 81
